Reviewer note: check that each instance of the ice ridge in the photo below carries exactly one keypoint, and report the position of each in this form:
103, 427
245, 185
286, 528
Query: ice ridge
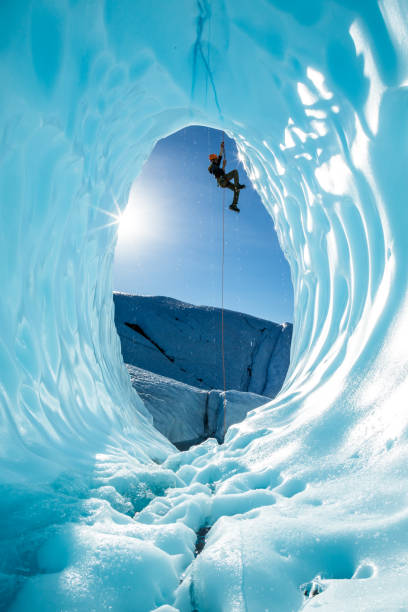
183, 342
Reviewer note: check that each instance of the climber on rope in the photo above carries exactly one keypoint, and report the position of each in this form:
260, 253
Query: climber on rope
223, 179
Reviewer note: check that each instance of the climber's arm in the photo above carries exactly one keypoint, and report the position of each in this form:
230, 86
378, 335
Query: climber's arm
222, 154
222, 149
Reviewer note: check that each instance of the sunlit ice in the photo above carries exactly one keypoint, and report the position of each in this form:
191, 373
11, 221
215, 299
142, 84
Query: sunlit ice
98, 509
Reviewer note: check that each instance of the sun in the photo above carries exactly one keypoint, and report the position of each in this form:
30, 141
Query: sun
133, 222
137, 223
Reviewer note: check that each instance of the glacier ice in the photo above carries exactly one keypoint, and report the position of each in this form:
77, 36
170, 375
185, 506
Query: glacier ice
187, 415
173, 353
182, 341
308, 488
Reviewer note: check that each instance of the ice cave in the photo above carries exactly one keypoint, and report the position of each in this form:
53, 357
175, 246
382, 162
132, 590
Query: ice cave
304, 505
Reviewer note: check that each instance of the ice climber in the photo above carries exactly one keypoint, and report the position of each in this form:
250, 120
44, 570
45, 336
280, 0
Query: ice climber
223, 179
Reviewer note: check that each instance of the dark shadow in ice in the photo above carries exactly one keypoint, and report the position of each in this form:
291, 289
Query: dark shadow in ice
201, 540
312, 588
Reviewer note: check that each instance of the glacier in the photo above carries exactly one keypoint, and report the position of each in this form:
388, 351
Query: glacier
172, 350
183, 341
187, 415
304, 505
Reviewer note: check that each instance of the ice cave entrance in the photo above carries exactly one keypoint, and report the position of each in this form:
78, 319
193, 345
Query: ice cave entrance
179, 257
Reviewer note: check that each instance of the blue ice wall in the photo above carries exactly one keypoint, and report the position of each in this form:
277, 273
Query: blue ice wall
315, 95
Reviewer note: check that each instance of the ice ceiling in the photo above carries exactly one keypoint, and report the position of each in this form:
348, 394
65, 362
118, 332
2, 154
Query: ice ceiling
315, 95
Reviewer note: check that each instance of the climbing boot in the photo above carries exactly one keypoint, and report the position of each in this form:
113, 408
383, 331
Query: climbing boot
234, 207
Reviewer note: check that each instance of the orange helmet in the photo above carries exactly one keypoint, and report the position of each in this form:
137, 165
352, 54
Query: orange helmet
212, 156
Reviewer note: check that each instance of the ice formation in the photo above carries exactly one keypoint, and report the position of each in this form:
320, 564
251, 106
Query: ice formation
182, 341
307, 496
176, 348
187, 415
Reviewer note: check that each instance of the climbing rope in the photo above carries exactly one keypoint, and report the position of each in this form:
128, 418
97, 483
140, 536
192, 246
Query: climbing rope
224, 378
222, 302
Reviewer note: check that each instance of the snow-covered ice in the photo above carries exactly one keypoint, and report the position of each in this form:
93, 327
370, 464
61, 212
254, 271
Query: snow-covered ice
184, 413
183, 341
98, 510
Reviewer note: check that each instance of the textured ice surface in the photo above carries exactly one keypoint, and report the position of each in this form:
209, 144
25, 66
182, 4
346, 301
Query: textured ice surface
183, 341
311, 487
184, 413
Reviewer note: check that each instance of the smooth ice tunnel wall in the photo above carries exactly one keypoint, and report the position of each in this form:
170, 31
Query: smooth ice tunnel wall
314, 95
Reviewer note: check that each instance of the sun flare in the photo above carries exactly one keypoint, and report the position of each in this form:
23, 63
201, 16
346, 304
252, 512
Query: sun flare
137, 222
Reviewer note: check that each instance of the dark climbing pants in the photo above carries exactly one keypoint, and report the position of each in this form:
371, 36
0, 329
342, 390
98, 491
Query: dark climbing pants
224, 182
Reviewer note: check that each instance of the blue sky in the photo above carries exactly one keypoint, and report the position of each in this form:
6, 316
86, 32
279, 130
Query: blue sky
170, 238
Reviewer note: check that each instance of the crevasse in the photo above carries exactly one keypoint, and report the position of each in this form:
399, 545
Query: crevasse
310, 484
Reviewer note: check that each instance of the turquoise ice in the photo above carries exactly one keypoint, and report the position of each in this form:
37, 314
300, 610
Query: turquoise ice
307, 499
